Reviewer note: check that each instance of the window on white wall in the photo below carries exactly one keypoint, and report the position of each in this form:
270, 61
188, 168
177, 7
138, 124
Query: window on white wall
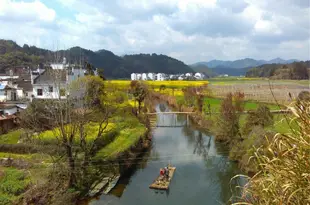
39, 92
50, 89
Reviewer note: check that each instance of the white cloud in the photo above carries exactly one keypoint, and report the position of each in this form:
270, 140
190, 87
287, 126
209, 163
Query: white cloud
190, 30
25, 11
264, 26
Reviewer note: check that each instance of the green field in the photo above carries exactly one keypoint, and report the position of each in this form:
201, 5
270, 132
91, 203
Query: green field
215, 104
130, 131
281, 125
11, 137
12, 183
243, 80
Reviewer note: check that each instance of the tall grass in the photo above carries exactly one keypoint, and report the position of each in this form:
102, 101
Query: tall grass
284, 170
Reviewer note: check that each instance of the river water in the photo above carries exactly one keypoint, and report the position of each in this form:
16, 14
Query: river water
203, 171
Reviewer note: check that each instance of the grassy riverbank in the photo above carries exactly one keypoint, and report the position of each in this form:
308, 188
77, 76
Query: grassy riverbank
242, 150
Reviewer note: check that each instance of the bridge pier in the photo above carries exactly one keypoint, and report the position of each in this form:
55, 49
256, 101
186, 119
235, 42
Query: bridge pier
187, 120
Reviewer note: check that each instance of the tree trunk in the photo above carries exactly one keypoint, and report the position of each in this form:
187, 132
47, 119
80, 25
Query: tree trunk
139, 106
72, 178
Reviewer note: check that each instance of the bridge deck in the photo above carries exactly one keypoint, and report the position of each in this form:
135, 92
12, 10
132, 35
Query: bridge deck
156, 113
244, 112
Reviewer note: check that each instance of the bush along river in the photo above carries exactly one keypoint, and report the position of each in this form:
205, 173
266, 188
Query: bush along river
203, 171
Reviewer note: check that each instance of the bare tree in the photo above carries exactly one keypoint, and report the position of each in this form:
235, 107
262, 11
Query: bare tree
86, 103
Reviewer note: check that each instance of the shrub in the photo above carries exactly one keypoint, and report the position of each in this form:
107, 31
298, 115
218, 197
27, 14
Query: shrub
261, 117
284, 171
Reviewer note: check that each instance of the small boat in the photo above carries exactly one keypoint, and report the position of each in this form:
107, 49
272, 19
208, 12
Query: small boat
112, 183
161, 182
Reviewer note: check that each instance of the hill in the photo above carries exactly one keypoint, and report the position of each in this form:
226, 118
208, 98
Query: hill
200, 68
237, 67
243, 63
13, 55
296, 71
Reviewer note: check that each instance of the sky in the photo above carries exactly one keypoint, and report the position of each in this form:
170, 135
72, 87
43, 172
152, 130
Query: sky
189, 30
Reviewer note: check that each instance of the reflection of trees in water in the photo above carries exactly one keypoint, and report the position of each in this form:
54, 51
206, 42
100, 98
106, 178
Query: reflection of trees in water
221, 166
181, 118
189, 134
221, 171
201, 147
162, 107
228, 186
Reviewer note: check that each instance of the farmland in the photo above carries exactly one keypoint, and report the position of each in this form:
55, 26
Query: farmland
158, 84
255, 89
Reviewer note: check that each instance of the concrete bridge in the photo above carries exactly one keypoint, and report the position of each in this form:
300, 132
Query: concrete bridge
174, 123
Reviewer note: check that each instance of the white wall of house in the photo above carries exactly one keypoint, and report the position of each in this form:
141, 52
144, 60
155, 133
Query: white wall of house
160, 77
199, 76
44, 92
144, 76
59, 66
20, 93
133, 76
188, 75
10, 95
151, 76
8, 77
139, 76
28, 94
2, 96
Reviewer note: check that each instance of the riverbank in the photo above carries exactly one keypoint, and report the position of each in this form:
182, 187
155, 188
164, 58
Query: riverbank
240, 152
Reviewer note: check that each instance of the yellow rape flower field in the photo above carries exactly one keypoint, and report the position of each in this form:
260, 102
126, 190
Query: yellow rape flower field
178, 84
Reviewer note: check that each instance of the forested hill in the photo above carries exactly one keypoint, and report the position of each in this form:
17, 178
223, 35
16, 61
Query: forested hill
13, 55
296, 70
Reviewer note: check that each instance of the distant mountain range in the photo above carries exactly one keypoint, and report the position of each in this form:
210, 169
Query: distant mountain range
237, 67
114, 67
243, 63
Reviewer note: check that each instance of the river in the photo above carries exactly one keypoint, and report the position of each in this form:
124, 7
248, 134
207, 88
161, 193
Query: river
203, 171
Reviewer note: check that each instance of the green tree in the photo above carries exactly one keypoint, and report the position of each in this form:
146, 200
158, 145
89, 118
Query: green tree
261, 117
89, 68
228, 122
101, 73
139, 91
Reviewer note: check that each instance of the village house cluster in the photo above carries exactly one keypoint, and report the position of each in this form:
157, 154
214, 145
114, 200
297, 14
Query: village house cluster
163, 76
22, 85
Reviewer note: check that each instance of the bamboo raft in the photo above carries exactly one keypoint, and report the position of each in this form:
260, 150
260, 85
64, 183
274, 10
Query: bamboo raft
161, 182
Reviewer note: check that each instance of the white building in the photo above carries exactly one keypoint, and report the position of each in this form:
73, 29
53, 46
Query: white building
60, 66
7, 93
133, 76
139, 76
51, 84
144, 76
5, 77
151, 76
199, 76
188, 74
160, 77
